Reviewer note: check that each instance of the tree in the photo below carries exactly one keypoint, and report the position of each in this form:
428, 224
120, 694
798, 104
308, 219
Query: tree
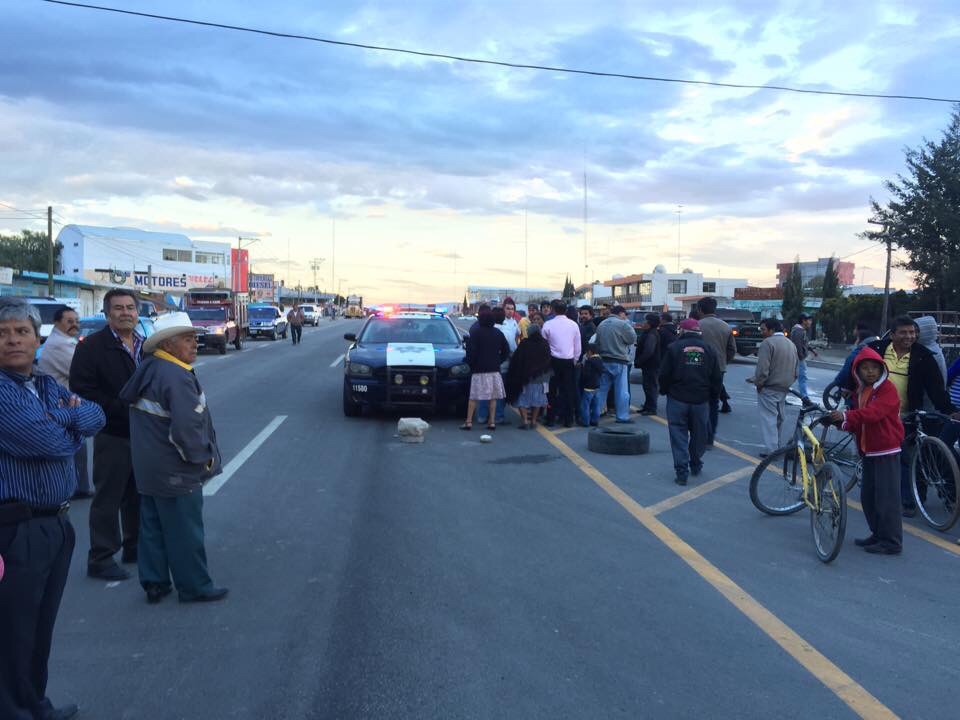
815, 286
922, 216
466, 305
569, 290
28, 252
793, 294
831, 282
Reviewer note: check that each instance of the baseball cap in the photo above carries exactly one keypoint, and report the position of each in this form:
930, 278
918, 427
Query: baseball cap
690, 324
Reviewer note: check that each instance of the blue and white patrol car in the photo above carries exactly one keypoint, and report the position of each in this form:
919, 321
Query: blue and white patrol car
405, 359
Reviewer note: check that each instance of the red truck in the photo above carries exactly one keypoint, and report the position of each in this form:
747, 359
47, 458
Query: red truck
220, 317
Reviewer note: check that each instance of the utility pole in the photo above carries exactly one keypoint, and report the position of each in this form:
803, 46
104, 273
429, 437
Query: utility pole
333, 261
679, 210
315, 265
50, 249
884, 316
585, 265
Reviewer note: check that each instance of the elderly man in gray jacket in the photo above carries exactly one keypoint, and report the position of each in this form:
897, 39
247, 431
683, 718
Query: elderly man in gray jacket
174, 451
776, 370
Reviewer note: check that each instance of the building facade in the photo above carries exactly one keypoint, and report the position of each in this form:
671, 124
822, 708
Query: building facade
495, 295
816, 268
660, 289
142, 260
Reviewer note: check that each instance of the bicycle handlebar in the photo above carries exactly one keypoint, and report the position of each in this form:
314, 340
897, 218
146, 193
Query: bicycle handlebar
922, 414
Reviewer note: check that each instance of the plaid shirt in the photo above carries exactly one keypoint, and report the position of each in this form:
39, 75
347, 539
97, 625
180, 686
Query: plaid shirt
137, 352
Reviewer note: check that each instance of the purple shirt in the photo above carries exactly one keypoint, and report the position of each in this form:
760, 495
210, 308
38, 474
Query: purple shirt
563, 335
136, 353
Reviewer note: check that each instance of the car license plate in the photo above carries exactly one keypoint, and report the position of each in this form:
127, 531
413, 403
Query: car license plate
360, 388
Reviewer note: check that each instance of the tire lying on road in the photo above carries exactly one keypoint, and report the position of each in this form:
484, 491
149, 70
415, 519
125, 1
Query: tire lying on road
618, 440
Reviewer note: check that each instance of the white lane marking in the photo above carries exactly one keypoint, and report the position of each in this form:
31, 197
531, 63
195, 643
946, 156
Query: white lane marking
337, 361
218, 482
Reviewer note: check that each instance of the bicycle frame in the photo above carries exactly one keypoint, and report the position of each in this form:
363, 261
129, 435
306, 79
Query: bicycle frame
818, 461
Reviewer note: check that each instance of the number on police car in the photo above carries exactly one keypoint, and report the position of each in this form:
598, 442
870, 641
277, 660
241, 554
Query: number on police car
359, 388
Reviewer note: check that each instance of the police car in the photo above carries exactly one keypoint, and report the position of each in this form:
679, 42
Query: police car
405, 359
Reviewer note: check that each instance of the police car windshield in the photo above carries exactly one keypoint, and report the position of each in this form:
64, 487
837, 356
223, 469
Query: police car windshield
262, 313
205, 314
437, 331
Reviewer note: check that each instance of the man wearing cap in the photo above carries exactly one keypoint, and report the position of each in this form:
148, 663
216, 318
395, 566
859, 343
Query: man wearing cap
42, 425
174, 452
690, 377
801, 340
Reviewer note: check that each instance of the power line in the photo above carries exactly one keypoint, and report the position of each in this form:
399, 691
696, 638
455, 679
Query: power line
24, 212
499, 63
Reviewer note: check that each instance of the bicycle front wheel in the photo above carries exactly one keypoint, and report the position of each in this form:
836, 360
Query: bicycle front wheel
840, 448
828, 521
832, 396
934, 476
776, 486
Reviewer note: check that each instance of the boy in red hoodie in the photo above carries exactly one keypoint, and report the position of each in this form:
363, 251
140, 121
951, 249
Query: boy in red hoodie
876, 423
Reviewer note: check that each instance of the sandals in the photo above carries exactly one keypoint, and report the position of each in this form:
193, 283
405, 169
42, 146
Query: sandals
467, 426
491, 427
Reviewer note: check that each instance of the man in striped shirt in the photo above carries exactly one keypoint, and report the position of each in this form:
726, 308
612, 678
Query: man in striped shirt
42, 425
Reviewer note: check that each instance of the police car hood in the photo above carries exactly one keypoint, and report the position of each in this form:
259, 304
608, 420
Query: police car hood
414, 354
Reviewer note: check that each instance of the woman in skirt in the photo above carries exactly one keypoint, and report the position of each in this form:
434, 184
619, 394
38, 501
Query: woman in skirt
487, 348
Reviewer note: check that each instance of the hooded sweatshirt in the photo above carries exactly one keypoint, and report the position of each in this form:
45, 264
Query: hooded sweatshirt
927, 336
876, 419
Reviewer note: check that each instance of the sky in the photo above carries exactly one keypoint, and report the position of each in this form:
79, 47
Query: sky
412, 177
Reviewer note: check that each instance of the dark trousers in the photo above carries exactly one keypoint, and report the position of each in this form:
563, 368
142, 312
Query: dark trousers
83, 473
563, 389
115, 508
171, 544
651, 388
296, 331
37, 555
688, 424
714, 414
880, 498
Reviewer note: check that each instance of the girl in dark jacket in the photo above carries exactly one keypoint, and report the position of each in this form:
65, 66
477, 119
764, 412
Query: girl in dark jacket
530, 369
487, 348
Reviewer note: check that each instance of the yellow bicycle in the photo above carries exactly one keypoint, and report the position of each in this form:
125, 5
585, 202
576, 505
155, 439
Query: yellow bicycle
798, 475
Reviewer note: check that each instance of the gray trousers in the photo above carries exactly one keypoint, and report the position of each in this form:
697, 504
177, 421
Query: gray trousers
115, 501
771, 403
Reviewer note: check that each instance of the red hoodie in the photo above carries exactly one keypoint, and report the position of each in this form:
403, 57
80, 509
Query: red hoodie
876, 419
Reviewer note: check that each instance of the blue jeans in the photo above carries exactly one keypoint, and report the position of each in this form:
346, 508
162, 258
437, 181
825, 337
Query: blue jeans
590, 406
617, 374
688, 425
802, 378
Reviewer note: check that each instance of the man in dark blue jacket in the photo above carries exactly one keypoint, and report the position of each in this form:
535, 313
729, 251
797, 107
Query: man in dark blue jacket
690, 377
42, 425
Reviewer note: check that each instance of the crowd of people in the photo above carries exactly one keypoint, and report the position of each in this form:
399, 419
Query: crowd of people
154, 445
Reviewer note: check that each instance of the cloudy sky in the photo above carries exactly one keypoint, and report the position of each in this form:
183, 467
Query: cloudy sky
425, 169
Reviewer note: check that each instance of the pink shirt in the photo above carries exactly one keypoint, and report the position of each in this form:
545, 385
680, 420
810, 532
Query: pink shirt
563, 335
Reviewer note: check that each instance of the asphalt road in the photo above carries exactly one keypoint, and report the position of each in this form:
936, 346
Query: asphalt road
526, 578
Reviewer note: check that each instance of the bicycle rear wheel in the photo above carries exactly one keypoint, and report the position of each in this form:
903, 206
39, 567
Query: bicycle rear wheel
776, 486
832, 396
934, 475
828, 522
840, 448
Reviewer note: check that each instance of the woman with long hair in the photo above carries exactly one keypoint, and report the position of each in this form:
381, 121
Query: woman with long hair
529, 371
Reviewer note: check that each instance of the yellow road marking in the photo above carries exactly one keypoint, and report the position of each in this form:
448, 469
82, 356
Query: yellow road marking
694, 493
842, 685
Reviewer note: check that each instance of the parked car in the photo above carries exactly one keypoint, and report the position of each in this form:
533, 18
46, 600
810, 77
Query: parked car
266, 321
746, 330
47, 307
92, 323
311, 314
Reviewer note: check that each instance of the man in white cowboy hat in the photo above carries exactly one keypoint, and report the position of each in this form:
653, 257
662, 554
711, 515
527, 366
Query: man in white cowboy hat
175, 451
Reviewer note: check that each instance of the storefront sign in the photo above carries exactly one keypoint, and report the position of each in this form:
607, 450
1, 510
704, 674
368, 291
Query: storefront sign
240, 269
6, 276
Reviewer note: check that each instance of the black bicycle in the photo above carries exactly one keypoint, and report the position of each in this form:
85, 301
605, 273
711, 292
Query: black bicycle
934, 474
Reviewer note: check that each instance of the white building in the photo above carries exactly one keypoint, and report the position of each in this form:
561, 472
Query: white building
142, 260
660, 289
477, 294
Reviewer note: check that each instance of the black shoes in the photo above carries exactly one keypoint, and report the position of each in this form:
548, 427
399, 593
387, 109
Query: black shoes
865, 542
110, 573
680, 479
648, 411
909, 512
725, 408
129, 556
156, 593
63, 713
696, 470
878, 549
213, 595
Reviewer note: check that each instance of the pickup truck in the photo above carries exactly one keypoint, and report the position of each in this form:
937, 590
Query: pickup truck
746, 330
267, 321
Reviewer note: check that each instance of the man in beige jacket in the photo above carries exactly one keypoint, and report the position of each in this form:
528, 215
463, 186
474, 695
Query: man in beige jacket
776, 371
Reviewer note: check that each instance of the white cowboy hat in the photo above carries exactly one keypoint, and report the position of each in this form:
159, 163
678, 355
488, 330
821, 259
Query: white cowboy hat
166, 327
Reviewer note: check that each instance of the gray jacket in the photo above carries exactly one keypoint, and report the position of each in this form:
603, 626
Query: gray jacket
172, 440
718, 335
615, 340
776, 363
57, 355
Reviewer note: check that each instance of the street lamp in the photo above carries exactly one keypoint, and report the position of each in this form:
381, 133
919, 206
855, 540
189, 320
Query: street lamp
241, 241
